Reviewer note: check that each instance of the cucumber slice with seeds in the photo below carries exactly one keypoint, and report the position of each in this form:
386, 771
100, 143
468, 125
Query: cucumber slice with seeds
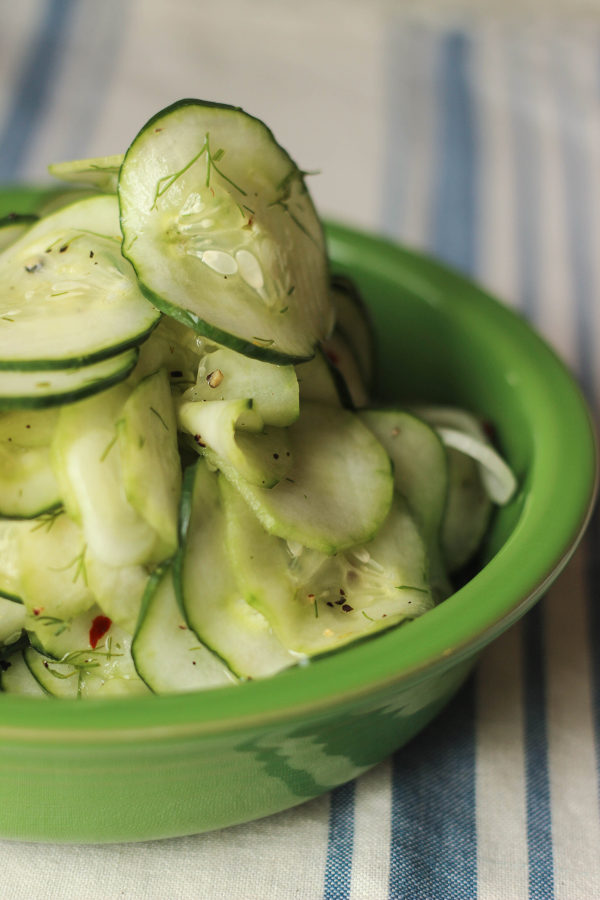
67, 296
222, 232
319, 604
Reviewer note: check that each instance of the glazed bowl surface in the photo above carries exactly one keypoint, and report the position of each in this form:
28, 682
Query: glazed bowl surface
151, 767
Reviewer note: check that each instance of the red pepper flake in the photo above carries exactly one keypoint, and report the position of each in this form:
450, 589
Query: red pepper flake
490, 430
100, 626
37, 610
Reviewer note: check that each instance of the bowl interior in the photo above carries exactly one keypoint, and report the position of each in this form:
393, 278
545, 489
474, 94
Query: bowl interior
441, 339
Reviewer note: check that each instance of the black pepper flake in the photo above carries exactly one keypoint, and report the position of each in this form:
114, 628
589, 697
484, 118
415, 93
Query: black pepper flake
276, 456
339, 602
63, 248
342, 592
329, 603
91, 254
347, 608
199, 441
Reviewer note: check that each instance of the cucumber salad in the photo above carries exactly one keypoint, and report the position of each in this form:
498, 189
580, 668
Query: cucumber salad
197, 487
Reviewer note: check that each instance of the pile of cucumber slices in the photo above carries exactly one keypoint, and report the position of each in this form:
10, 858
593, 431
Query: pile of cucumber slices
194, 489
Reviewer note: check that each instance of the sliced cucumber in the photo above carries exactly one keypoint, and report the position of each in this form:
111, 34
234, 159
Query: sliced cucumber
208, 591
54, 387
320, 603
16, 678
52, 568
10, 559
147, 435
13, 227
320, 382
354, 323
59, 199
67, 296
339, 489
89, 675
469, 506
174, 348
227, 375
90, 640
168, 656
87, 462
222, 232
12, 621
118, 590
341, 356
28, 486
262, 457
421, 475
101, 173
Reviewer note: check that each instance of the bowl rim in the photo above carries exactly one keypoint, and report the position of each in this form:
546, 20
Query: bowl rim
456, 629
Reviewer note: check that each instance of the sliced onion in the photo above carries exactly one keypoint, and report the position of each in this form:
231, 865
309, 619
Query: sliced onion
496, 475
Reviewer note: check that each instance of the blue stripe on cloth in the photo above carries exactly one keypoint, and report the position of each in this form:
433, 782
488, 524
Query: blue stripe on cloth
454, 232
338, 868
433, 843
539, 819
33, 88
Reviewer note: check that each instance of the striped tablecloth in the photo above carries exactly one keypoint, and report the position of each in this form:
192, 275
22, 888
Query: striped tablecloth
476, 137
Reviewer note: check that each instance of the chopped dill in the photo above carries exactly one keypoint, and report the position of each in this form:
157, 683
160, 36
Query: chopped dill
158, 416
79, 563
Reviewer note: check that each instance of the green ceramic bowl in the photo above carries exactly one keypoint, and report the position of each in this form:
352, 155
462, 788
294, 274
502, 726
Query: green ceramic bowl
151, 767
